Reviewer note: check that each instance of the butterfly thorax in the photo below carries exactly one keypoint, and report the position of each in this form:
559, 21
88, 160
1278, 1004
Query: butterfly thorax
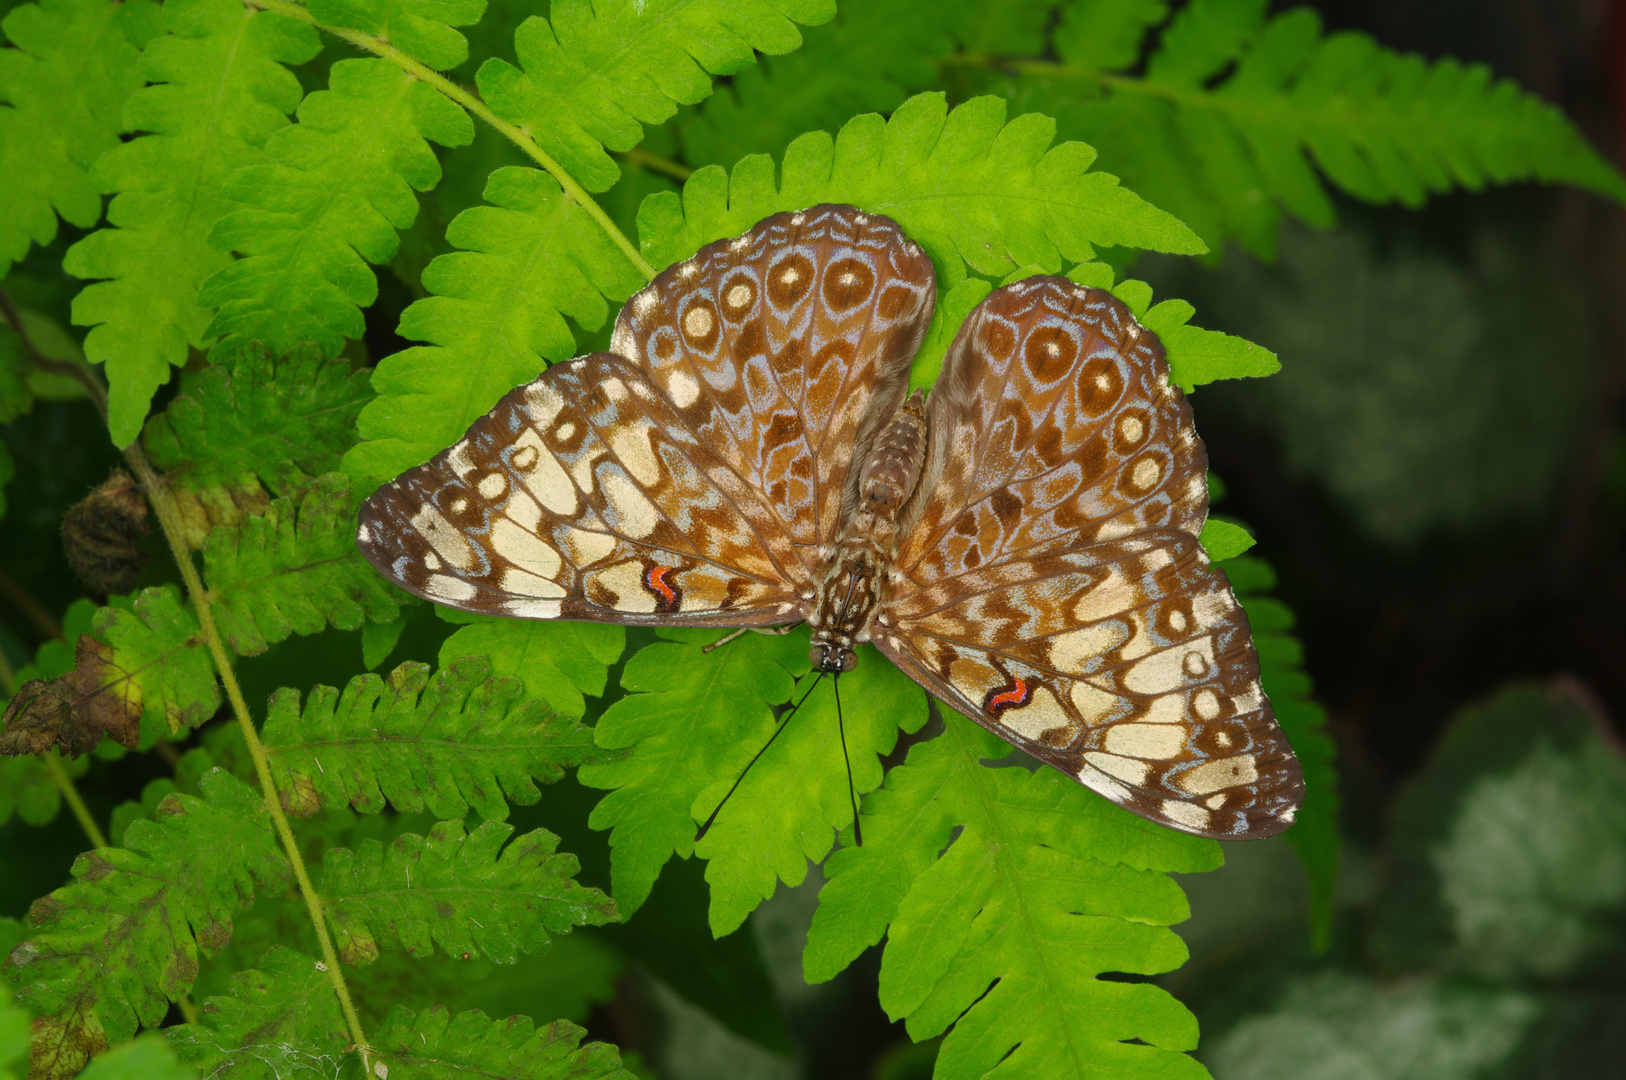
854, 579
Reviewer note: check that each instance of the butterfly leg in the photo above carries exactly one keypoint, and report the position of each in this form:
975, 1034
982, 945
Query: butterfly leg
775, 630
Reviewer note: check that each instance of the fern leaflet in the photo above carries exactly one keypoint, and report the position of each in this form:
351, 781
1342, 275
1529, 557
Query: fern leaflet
148, 1057
468, 893
294, 572
279, 1017
253, 419
420, 28
113, 949
593, 77
339, 186
448, 744
217, 91
1045, 888
556, 662
62, 90
13, 1035
436, 1045
693, 720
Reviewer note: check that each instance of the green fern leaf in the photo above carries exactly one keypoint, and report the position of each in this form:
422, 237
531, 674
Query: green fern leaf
339, 187
1231, 157
159, 666
868, 59
1224, 539
973, 190
556, 662
420, 28
294, 572
1106, 34
1046, 887
1314, 834
693, 720
435, 1045
446, 744
112, 950
469, 894
690, 719
220, 91
593, 77
278, 1019
147, 1058
27, 787
1006, 27
73, 66
252, 419
529, 261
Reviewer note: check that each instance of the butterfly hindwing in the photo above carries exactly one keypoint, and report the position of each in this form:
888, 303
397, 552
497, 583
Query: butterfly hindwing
584, 495
1052, 587
778, 345
1126, 665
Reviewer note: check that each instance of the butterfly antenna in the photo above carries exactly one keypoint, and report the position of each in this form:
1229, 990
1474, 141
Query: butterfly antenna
852, 797
784, 723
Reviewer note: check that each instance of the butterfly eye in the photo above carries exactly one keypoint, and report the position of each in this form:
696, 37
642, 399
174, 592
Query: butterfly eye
848, 661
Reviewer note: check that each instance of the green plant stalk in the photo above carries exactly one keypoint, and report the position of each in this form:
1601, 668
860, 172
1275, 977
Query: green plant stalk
169, 520
472, 103
70, 794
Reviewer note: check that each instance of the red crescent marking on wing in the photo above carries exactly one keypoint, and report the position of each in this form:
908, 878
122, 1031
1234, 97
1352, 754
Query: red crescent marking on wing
656, 579
1016, 696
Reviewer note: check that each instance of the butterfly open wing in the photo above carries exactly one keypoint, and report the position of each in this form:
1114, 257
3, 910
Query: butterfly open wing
687, 478
1052, 587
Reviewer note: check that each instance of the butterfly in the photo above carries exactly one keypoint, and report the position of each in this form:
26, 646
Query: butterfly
1022, 541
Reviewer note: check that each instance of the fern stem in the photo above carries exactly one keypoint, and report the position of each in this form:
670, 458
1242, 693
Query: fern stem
638, 157
78, 372
472, 103
169, 519
70, 795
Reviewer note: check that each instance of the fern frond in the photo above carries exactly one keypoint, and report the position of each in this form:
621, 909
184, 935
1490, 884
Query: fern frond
62, 90
530, 260
1314, 834
468, 893
339, 186
1231, 157
869, 58
436, 1045
294, 572
446, 744
593, 77
420, 28
556, 662
975, 191
112, 950
279, 1018
219, 90
1007, 27
693, 720
252, 423
1106, 34
1045, 888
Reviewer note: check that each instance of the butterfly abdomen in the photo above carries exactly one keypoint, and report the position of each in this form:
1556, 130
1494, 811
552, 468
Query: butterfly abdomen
893, 470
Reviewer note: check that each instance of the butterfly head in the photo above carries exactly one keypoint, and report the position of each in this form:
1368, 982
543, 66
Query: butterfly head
832, 657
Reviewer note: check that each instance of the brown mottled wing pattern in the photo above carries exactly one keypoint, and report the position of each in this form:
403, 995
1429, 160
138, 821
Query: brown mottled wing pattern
785, 348
682, 479
584, 495
1052, 587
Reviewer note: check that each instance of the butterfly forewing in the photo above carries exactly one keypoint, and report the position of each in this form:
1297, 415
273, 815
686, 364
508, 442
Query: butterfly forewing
1052, 587
584, 495
1052, 424
778, 345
